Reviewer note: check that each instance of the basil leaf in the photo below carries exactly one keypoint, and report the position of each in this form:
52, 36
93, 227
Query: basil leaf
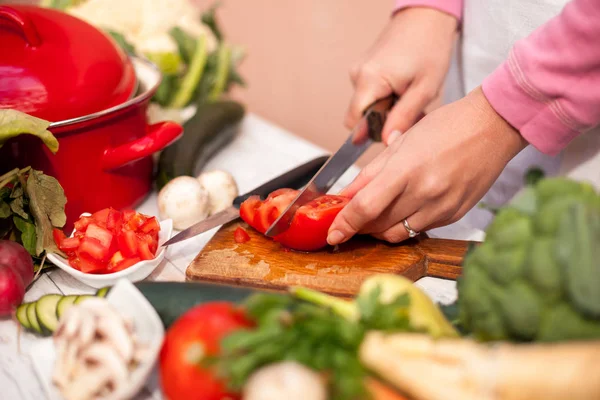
47, 206
28, 235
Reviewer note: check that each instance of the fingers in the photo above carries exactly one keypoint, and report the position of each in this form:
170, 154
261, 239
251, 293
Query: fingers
398, 232
365, 206
407, 110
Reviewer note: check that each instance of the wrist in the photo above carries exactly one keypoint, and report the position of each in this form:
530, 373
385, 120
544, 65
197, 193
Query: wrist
504, 137
431, 18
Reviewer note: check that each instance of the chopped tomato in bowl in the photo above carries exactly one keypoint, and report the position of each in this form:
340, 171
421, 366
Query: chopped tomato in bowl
310, 225
111, 244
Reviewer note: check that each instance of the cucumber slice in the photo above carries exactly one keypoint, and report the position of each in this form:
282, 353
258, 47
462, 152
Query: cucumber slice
22, 315
102, 292
64, 304
33, 321
45, 310
83, 297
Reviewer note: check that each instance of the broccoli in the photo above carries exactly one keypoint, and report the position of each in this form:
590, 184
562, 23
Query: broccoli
536, 277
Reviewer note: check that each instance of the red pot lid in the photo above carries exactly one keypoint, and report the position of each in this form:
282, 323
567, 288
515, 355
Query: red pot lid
55, 66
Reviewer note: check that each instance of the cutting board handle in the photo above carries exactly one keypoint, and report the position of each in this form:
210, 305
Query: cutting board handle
443, 257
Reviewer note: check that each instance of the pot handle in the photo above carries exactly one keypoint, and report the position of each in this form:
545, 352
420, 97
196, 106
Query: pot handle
13, 19
159, 136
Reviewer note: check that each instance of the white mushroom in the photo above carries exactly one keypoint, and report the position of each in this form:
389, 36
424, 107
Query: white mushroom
287, 380
185, 201
221, 188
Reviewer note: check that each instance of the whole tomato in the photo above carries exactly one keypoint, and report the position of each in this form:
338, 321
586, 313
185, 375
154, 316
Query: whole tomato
195, 336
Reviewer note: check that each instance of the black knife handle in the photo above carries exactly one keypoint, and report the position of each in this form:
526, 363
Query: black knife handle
294, 179
376, 115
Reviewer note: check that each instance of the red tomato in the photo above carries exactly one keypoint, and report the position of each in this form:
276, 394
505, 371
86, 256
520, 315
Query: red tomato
89, 265
114, 221
248, 211
127, 214
136, 222
240, 235
128, 243
151, 225
310, 225
93, 249
101, 216
69, 245
100, 234
58, 236
118, 262
82, 223
188, 342
144, 250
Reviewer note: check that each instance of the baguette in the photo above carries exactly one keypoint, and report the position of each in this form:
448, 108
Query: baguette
461, 369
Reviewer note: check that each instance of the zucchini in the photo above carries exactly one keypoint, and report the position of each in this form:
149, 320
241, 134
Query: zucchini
64, 304
22, 315
102, 291
212, 127
82, 297
45, 310
32, 318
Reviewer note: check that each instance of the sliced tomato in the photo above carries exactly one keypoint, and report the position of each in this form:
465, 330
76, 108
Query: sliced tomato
248, 211
90, 265
82, 223
126, 263
273, 206
114, 221
102, 235
115, 260
136, 221
128, 214
101, 216
69, 245
152, 242
58, 236
151, 225
310, 225
128, 243
240, 235
75, 262
93, 249
144, 250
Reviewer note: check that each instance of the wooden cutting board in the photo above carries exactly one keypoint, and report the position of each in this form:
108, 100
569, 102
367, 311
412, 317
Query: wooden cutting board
263, 263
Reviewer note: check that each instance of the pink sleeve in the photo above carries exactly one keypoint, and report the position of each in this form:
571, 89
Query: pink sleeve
452, 7
549, 87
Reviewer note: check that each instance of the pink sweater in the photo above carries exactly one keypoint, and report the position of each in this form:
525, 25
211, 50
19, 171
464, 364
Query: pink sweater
549, 87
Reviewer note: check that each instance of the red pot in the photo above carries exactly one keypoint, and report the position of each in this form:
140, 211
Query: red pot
105, 158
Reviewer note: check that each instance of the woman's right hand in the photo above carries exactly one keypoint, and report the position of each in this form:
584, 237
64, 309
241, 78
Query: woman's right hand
411, 58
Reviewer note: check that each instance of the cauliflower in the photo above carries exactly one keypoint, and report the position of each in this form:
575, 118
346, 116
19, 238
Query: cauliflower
537, 275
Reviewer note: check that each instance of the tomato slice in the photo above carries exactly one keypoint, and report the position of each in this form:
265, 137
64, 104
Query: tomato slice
144, 250
82, 223
240, 235
125, 263
58, 236
136, 221
93, 248
69, 245
128, 243
115, 260
248, 211
128, 214
310, 226
101, 216
75, 262
89, 265
102, 235
151, 225
114, 220
273, 206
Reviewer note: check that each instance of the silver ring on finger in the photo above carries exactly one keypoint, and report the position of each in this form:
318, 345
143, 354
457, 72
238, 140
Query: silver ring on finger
411, 232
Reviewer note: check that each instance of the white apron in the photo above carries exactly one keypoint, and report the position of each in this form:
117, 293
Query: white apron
490, 29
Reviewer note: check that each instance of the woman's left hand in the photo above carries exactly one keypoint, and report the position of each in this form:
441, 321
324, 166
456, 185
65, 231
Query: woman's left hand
432, 175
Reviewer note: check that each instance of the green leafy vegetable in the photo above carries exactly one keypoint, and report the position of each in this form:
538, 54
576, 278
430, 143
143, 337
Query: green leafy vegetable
28, 235
316, 336
14, 123
47, 205
185, 43
222, 73
209, 18
193, 75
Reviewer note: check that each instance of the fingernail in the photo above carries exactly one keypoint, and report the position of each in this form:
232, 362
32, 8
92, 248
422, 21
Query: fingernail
335, 237
393, 137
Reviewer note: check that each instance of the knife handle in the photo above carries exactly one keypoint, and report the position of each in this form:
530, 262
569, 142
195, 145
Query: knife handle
376, 115
294, 179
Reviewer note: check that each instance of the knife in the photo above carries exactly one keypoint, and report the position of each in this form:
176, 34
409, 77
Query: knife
295, 179
367, 131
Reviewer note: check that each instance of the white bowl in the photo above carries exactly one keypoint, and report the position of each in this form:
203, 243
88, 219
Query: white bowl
149, 329
135, 273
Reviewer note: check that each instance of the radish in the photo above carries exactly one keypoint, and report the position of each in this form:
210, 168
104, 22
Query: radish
15, 256
12, 290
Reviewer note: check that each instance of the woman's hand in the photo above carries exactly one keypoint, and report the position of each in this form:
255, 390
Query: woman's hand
432, 175
410, 58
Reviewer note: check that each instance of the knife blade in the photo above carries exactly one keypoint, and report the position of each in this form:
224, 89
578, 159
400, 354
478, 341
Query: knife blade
366, 132
295, 179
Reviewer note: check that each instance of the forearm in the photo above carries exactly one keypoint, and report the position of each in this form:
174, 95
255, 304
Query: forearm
452, 7
548, 88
